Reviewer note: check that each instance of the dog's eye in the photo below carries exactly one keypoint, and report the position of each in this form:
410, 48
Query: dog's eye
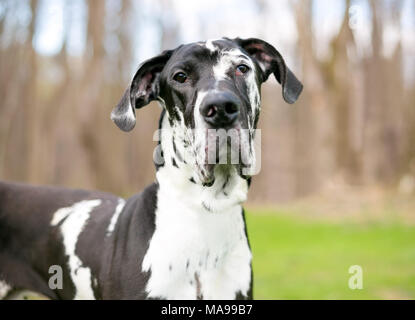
180, 77
241, 69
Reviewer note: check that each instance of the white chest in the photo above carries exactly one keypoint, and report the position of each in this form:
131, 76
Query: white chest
197, 254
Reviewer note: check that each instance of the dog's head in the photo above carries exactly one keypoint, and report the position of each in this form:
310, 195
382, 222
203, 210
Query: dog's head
209, 89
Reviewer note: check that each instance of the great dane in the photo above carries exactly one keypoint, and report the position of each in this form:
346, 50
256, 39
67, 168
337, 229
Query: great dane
184, 236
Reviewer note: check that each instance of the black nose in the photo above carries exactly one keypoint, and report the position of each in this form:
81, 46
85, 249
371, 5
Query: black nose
220, 110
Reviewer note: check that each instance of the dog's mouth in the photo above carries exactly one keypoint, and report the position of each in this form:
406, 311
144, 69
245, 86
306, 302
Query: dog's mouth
206, 149
228, 149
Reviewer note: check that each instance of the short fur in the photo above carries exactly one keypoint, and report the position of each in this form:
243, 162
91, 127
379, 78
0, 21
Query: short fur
184, 236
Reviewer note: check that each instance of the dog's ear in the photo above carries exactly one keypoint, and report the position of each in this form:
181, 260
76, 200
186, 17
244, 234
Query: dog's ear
143, 89
271, 61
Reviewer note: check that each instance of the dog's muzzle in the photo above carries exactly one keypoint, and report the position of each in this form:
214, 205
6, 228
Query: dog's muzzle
226, 141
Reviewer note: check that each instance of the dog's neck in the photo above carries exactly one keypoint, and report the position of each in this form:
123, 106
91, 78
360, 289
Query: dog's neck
199, 234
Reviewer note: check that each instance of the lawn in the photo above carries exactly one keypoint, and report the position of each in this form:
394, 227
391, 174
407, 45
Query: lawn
297, 258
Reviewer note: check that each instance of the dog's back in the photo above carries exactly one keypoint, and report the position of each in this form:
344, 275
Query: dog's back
26, 213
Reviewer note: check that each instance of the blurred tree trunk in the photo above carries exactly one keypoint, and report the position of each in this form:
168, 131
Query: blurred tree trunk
32, 114
373, 157
90, 88
314, 125
355, 119
396, 139
6, 106
380, 144
59, 105
345, 83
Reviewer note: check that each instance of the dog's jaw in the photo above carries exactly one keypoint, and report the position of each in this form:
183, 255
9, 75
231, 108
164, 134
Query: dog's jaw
197, 149
228, 188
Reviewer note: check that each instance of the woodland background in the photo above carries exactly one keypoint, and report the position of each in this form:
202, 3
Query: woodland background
337, 183
64, 64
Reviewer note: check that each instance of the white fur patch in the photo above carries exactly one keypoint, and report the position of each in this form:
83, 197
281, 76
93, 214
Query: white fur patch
188, 244
74, 219
254, 96
230, 59
195, 139
128, 118
199, 248
255, 102
130, 114
114, 218
199, 134
195, 253
4, 289
209, 45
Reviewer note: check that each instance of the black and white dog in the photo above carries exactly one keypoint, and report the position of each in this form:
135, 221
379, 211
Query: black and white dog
184, 236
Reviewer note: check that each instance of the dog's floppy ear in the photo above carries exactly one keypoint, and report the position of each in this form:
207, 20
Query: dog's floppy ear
271, 61
143, 89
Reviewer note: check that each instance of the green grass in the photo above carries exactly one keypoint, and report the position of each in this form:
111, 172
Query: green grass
296, 258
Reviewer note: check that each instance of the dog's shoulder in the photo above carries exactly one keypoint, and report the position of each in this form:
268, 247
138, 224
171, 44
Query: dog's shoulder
142, 206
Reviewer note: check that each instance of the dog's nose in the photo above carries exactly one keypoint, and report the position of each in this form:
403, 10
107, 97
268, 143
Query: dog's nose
220, 110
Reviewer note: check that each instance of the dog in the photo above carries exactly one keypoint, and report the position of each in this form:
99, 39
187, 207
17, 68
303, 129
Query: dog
184, 236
